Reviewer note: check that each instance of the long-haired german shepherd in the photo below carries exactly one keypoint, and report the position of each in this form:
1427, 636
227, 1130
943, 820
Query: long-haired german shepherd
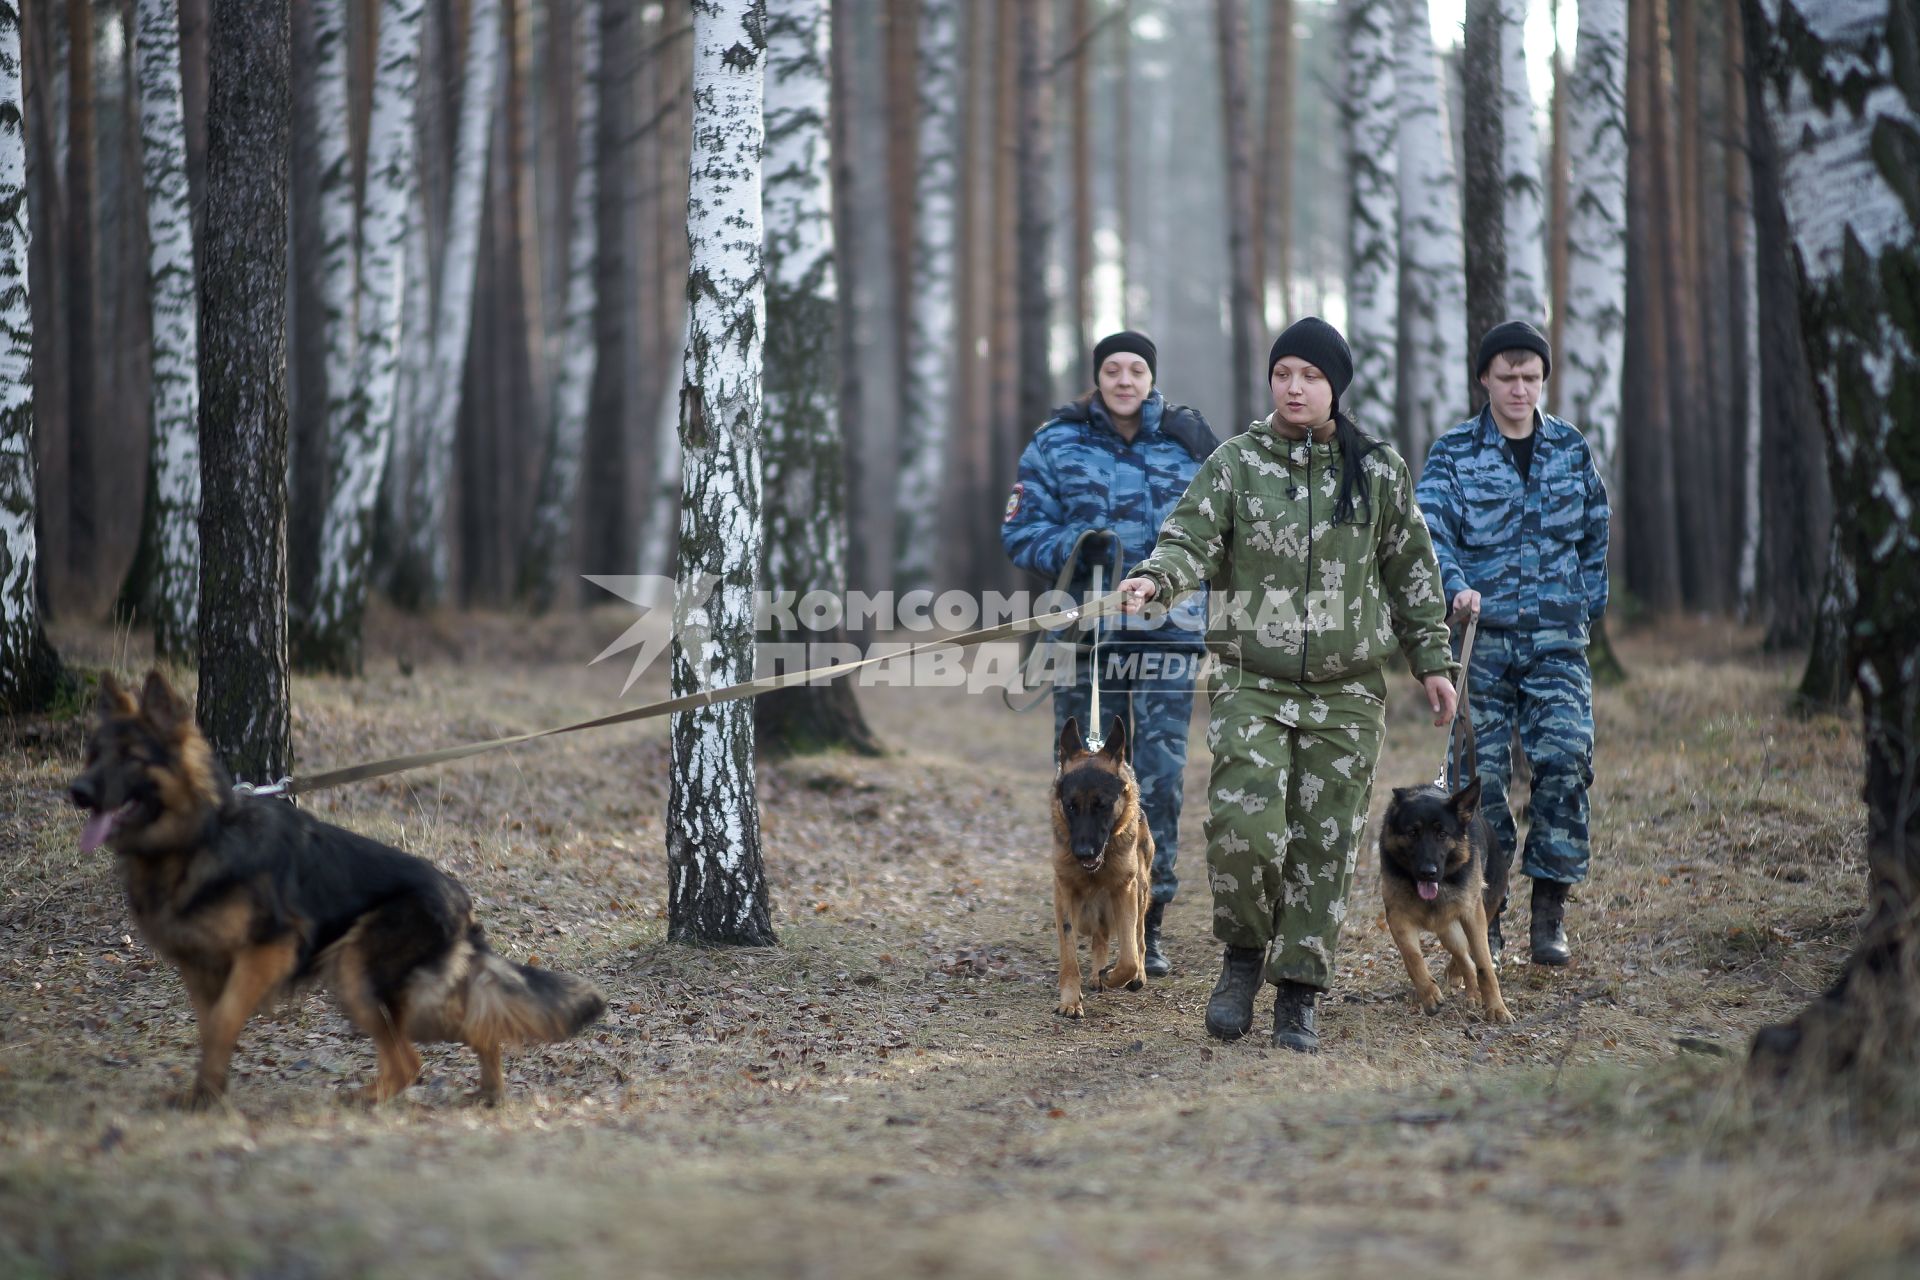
248, 897
1440, 870
1102, 864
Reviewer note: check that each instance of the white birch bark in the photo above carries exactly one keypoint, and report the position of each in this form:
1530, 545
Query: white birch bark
1523, 202
1432, 252
558, 501
1753, 423
359, 434
175, 448
27, 667
930, 352
1373, 288
663, 509
426, 565
717, 891
1586, 369
802, 475
334, 196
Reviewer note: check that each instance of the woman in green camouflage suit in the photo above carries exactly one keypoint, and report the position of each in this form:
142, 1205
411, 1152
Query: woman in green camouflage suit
1321, 567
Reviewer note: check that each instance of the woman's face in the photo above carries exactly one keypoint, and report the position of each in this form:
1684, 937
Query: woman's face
1302, 396
1124, 383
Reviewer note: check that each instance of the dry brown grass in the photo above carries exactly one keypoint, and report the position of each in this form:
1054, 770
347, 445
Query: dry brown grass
888, 1092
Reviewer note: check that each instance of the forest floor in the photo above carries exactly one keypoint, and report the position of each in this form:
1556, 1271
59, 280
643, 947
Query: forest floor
888, 1092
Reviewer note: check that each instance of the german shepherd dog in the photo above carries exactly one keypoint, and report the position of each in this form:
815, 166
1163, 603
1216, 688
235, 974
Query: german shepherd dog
1102, 864
248, 897
1439, 871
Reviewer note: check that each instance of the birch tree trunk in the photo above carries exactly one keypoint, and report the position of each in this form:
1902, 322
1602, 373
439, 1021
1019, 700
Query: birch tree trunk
1373, 150
421, 577
1524, 202
559, 498
30, 672
1230, 32
310, 472
717, 886
1435, 378
930, 340
359, 440
1845, 109
243, 699
1273, 170
1587, 364
170, 593
804, 477
657, 540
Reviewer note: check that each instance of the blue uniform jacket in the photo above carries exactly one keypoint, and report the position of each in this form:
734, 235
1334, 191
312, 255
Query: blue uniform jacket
1535, 549
1078, 474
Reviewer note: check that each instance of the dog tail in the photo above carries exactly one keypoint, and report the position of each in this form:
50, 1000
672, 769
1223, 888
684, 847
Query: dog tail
512, 1004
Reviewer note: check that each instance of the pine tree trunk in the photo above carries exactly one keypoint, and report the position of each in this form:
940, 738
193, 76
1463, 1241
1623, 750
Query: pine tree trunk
1744, 351
1483, 172
171, 594
1123, 164
1588, 359
717, 890
1033, 96
422, 576
1243, 364
82, 300
1080, 257
30, 673
243, 701
804, 479
1432, 265
931, 348
1845, 111
551, 537
1524, 206
1374, 217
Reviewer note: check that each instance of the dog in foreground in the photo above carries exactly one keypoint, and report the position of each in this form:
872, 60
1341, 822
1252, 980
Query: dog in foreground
1102, 864
1439, 872
250, 897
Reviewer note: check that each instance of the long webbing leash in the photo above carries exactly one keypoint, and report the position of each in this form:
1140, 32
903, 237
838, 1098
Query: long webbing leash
1095, 739
1455, 770
302, 784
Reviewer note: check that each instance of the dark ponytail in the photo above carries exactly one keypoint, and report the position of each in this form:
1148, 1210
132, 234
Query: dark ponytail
1355, 445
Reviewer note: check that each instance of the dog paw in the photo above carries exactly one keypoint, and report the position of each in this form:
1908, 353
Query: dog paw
1072, 1009
1429, 1002
1498, 1013
1136, 984
201, 1097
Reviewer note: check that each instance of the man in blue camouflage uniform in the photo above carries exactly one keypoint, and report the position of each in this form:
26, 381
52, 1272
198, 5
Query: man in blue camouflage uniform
1113, 465
1518, 514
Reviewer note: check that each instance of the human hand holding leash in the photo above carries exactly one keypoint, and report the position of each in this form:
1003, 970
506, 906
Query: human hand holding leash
1137, 592
1441, 697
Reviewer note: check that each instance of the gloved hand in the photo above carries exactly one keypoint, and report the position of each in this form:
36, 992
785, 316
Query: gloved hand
1098, 548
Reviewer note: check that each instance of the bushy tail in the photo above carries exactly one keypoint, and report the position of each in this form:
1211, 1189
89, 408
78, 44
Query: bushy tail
515, 1004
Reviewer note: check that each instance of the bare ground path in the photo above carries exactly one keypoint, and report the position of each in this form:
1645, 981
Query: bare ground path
888, 1093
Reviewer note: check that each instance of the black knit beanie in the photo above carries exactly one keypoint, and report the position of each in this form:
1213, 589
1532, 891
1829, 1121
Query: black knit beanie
1514, 335
1128, 340
1319, 344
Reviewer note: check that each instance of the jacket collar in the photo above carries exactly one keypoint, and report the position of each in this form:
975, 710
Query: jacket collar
1292, 451
1151, 410
1487, 431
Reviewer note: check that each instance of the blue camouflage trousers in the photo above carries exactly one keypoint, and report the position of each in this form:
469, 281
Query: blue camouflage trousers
1537, 681
1151, 687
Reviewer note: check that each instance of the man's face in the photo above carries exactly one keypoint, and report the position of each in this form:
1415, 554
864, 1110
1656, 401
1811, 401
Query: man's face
1513, 381
1302, 396
1124, 382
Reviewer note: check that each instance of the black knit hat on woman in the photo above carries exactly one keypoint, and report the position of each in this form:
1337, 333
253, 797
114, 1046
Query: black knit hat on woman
1131, 341
1320, 345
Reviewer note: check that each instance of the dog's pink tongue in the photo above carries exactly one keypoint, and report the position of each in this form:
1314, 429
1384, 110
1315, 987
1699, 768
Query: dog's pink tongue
98, 828
1429, 889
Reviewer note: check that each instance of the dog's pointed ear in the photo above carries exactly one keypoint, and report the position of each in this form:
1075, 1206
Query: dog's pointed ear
1115, 746
161, 705
114, 700
1072, 744
1466, 801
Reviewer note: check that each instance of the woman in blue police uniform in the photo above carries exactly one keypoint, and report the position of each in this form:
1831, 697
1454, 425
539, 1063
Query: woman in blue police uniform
1113, 464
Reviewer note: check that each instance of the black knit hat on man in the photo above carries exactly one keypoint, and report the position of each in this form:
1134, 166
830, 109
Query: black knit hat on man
1514, 335
1128, 340
1320, 345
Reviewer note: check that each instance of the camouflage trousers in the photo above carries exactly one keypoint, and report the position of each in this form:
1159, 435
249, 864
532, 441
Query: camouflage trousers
1151, 687
1287, 809
1539, 683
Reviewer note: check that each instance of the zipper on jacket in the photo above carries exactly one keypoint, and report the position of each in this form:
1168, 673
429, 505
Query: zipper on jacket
1306, 613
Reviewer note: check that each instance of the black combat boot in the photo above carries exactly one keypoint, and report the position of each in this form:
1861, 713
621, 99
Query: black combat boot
1496, 941
1157, 964
1293, 1017
1549, 930
1230, 1011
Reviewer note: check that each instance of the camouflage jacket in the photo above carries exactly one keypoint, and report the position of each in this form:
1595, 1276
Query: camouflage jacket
1078, 474
1297, 597
1535, 549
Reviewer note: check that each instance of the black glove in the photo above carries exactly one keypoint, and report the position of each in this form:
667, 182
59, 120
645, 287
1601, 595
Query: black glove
1098, 548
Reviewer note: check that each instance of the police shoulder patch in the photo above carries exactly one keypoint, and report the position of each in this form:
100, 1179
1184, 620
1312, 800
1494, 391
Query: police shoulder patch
1013, 502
